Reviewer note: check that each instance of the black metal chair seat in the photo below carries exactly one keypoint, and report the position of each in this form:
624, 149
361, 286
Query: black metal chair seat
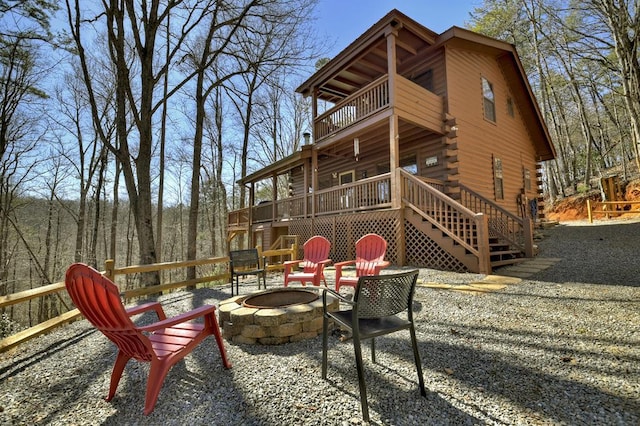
371, 327
377, 302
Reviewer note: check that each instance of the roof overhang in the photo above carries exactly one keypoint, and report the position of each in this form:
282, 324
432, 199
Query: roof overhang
279, 167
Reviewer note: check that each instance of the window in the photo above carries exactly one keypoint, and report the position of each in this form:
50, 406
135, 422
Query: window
497, 178
347, 177
489, 100
510, 109
346, 195
409, 164
526, 176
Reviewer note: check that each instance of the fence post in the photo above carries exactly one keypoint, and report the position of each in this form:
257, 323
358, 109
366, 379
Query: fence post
589, 211
109, 269
484, 255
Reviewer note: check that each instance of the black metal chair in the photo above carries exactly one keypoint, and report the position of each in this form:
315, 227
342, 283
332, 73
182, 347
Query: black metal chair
377, 301
247, 262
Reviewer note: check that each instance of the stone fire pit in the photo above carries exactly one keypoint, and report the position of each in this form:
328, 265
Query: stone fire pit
273, 317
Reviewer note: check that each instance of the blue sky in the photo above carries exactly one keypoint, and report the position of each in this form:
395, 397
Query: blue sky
343, 21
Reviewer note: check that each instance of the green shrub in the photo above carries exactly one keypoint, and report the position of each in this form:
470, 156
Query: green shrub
582, 188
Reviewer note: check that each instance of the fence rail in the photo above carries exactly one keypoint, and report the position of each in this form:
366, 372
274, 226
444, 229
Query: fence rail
111, 271
611, 208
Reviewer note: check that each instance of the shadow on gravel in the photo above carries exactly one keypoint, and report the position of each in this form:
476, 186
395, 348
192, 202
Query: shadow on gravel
597, 254
483, 379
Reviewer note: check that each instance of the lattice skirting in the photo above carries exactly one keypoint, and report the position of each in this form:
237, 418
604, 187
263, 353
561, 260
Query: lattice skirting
423, 252
344, 230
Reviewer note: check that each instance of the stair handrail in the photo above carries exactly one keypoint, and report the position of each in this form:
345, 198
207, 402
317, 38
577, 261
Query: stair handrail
436, 207
502, 222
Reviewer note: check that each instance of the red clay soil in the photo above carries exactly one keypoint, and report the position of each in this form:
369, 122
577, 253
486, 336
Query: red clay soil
575, 207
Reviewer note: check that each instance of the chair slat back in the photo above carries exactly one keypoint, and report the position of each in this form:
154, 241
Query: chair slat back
316, 250
98, 299
244, 258
385, 295
370, 251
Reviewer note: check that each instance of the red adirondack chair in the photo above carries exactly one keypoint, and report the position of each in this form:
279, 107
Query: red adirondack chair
316, 257
162, 343
370, 251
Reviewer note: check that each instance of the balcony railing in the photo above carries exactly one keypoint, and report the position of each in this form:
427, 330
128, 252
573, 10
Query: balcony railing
354, 108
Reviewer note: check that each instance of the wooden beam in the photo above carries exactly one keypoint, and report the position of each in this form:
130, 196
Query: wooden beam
406, 46
376, 67
37, 330
26, 295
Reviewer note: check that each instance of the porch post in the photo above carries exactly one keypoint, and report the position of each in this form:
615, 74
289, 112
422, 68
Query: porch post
252, 200
394, 136
314, 158
305, 187
274, 186
314, 181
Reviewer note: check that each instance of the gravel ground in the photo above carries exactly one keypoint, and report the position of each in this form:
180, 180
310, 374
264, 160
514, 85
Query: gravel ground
561, 347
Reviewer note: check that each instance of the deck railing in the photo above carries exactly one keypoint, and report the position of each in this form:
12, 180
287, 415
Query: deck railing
502, 223
365, 194
354, 108
462, 225
238, 218
291, 208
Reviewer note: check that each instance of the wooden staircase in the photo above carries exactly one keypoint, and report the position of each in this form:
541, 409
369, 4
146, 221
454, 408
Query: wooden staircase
502, 254
476, 231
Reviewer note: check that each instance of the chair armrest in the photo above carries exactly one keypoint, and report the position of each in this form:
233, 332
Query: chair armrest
336, 295
325, 262
339, 266
381, 265
288, 266
179, 319
156, 306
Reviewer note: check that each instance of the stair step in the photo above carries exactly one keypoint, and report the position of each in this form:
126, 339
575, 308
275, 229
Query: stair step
504, 252
505, 262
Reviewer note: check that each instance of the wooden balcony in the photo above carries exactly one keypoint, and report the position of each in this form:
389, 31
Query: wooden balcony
412, 102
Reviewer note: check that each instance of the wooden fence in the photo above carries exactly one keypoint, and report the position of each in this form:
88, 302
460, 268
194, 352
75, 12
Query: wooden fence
221, 274
611, 208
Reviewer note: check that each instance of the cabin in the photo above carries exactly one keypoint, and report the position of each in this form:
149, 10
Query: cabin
434, 141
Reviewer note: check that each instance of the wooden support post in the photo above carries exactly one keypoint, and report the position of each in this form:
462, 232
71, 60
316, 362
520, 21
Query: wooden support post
589, 211
484, 255
401, 240
109, 269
